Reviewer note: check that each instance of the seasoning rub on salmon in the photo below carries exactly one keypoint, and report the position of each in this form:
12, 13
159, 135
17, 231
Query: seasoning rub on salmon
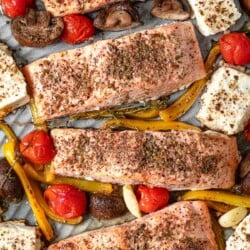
66, 7
181, 226
138, 67
176, 160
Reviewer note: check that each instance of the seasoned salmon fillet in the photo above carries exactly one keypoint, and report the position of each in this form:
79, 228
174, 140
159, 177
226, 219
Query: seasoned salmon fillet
176, 160
138, 67
66, 7
181, 226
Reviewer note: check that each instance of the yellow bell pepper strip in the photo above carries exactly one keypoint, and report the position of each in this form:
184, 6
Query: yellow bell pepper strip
218, 233
39, 196
49, 176
147, 125
85, 185
219, 196
8, 132
218, 206
9, 152
147, 114
38, 122
183, 104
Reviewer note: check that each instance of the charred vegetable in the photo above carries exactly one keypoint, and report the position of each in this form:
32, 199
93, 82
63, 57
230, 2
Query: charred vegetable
37, 28
116, 17
10, 186
169, 9
106, 206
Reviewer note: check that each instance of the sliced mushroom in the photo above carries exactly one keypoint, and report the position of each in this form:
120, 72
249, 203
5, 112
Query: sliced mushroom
117, 17
37, 28
169, 9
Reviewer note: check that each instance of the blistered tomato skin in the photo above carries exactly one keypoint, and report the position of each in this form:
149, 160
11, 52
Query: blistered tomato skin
235, 48
151, 199
77, 28
14, 8
37, 146
66, 200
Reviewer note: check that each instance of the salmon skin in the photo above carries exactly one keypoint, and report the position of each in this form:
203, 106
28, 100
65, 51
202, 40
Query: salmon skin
66, 7
135, 68
176, 160
181, 226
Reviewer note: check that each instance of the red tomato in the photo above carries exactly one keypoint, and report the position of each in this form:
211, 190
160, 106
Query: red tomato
37, 147
14, 8
247, 131
77, 29
66, 200
235, 48
151, 199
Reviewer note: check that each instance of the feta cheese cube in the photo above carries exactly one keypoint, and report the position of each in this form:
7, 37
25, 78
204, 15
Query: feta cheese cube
13, 93
214, 16
239, 240
226, 104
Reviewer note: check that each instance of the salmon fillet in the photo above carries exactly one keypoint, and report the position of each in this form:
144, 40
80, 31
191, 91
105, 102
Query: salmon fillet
176, 160
65, 7
138, 67
181, 226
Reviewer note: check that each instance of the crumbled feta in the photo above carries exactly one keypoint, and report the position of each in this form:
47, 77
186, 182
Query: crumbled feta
226, 104
214, 16
239, 240
13, 91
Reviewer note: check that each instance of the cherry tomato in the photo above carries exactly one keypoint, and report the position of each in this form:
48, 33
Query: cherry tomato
235, 48
14, 8
66, 200
151, 199
77, 28
247, 131
37, 147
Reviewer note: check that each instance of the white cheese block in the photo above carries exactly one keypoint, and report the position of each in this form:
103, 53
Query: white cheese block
225, 106
214, 16
239, 240
16, 235
13, 93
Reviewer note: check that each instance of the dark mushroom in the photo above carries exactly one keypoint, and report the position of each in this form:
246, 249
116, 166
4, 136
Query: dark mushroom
10, 186
104, 206
169, 9
246, 5
37, 28
117, 17
245, 166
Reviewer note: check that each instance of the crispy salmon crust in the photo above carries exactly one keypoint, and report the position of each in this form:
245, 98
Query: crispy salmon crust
139, 67
176, 160
62, 8
181, 226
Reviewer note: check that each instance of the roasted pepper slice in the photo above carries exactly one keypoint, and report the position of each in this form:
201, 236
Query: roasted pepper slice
147, 125
219, 196
9, 152
39, 196
218, 206
218, 232
182, 105
8, 132
85, 185
147, 114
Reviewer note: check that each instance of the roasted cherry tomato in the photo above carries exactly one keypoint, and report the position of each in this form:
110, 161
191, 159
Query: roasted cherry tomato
66, 200
14, 8
247, 131
37, 147
151, 199
77, 28
235, 48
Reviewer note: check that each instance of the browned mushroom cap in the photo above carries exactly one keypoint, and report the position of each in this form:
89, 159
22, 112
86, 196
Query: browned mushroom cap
117, 17
246, 5
37, 28
169, 9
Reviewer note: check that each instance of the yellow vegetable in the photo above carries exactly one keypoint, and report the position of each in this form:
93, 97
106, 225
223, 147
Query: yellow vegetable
218, 233
8, 132
183, 104
219, 196
43, 223
147, 125
39, 196
147, 114
85, 185
218, 206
